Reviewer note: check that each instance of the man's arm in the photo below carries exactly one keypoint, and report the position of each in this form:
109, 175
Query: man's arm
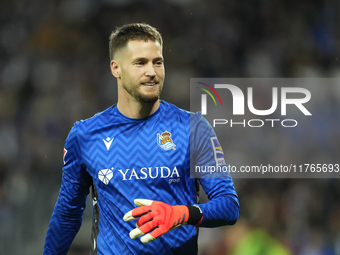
68, 211
223, 207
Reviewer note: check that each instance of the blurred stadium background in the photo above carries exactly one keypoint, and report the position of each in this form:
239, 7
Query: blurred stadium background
54, 70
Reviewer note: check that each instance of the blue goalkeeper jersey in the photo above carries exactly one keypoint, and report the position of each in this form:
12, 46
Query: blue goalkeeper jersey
122, 159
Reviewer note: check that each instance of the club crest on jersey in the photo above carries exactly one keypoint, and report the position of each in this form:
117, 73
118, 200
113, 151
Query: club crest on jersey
165, 142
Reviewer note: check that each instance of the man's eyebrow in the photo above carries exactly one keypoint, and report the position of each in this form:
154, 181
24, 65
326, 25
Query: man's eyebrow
146, 59
159, 58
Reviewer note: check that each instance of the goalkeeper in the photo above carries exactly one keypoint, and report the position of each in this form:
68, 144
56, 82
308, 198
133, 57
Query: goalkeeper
136, 157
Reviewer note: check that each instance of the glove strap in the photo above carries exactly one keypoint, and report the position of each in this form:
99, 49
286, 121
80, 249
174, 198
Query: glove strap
195, 215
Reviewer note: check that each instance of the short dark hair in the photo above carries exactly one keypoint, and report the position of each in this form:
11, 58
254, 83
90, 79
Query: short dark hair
134, 31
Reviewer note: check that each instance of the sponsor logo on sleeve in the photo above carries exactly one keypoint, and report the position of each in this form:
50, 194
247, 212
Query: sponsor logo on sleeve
65, 151
218, 152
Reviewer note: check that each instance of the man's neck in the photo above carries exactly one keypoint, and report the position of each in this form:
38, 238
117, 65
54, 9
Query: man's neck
137, 110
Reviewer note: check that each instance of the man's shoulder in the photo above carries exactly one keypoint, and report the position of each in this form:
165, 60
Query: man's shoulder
194, 118
171, 108
96, 121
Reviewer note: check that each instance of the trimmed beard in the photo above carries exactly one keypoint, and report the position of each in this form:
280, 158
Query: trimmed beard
133, 91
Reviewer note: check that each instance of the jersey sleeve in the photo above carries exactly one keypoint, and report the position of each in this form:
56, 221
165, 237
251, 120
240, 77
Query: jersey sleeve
68, 212
223, 207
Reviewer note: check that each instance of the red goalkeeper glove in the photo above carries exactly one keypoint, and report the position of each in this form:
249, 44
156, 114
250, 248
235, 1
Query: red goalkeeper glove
159, 218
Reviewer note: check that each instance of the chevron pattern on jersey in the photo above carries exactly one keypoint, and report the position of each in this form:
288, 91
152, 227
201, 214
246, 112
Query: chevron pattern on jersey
140, 167
135, 166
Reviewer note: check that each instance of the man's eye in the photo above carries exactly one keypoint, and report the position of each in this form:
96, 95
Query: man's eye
139, 63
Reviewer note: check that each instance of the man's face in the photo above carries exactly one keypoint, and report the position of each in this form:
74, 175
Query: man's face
141, 71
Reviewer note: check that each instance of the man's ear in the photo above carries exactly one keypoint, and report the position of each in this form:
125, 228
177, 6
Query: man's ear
115, 68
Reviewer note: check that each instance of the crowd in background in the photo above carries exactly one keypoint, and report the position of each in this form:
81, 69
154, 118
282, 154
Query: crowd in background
54, 70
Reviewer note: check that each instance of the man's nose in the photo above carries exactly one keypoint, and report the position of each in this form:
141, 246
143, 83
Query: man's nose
150, 71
